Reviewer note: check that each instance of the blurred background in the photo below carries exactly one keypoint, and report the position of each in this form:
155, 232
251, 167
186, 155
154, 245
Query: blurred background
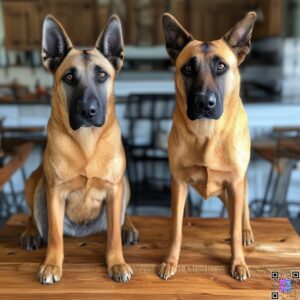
145, 97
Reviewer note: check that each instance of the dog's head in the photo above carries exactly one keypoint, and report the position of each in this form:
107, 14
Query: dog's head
83, 78
207, 72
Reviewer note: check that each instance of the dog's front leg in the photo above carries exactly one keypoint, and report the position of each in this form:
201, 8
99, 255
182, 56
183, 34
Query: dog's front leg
236, 195
51, 270
117, 268
179, 193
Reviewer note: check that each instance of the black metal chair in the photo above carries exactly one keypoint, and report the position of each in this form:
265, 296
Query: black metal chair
149, 121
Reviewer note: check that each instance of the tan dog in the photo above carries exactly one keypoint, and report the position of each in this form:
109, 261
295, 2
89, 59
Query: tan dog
209, 144
80, 187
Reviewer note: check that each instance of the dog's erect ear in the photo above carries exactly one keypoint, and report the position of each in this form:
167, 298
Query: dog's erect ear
110, 42
239, 36
55, 44
176, 36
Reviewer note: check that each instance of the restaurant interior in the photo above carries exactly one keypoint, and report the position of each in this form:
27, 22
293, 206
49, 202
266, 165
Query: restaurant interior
145, 96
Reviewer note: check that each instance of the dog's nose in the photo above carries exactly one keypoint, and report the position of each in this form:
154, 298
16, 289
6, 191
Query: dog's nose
88, 110
206, 100
92, 110
211, 101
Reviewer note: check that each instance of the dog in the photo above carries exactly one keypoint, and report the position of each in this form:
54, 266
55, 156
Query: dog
209, 142
80, 188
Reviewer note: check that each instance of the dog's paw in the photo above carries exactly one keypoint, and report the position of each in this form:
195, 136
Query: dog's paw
248, 237
130, 236
49, 274
240, 271
31, 241
167, 270
120, 272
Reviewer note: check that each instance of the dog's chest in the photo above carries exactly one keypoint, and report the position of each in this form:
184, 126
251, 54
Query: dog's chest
84, 204
203, 165
207, 182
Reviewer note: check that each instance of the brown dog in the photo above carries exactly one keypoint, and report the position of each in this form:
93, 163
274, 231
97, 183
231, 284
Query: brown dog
209, 144
80, 187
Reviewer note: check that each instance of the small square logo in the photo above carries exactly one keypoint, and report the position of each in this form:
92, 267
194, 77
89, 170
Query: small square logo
274, 275
295, 274
285, 285
274, 295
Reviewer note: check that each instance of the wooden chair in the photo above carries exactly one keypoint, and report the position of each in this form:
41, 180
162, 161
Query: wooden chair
16, 92
283, 152
18, 157
14, 136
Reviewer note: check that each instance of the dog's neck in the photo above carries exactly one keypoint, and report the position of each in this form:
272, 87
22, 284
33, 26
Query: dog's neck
204, 127
87, 138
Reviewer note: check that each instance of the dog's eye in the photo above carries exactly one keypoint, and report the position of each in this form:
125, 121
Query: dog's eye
101, 75
69, 78
221, 68
187, 70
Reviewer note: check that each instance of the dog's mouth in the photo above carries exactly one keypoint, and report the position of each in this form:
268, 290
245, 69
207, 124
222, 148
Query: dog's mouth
77, 122
210, 115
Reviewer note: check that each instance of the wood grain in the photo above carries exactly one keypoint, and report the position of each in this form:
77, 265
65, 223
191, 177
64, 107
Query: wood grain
202, 274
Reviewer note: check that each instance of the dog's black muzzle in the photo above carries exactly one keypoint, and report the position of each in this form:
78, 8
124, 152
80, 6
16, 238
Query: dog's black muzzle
204, 105
87, 114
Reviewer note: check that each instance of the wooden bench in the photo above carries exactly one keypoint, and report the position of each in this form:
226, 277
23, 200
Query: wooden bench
203, 272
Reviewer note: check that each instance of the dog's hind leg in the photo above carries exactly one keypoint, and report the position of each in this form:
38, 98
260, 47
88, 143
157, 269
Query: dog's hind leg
31, 238
224, 199
130, 235
247, 234
248, 237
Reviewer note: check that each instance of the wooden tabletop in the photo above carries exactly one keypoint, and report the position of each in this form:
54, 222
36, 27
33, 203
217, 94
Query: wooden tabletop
265, 147
202, 273
272, 149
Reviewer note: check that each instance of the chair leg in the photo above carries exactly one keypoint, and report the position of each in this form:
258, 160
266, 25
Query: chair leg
267, 191
279, 207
